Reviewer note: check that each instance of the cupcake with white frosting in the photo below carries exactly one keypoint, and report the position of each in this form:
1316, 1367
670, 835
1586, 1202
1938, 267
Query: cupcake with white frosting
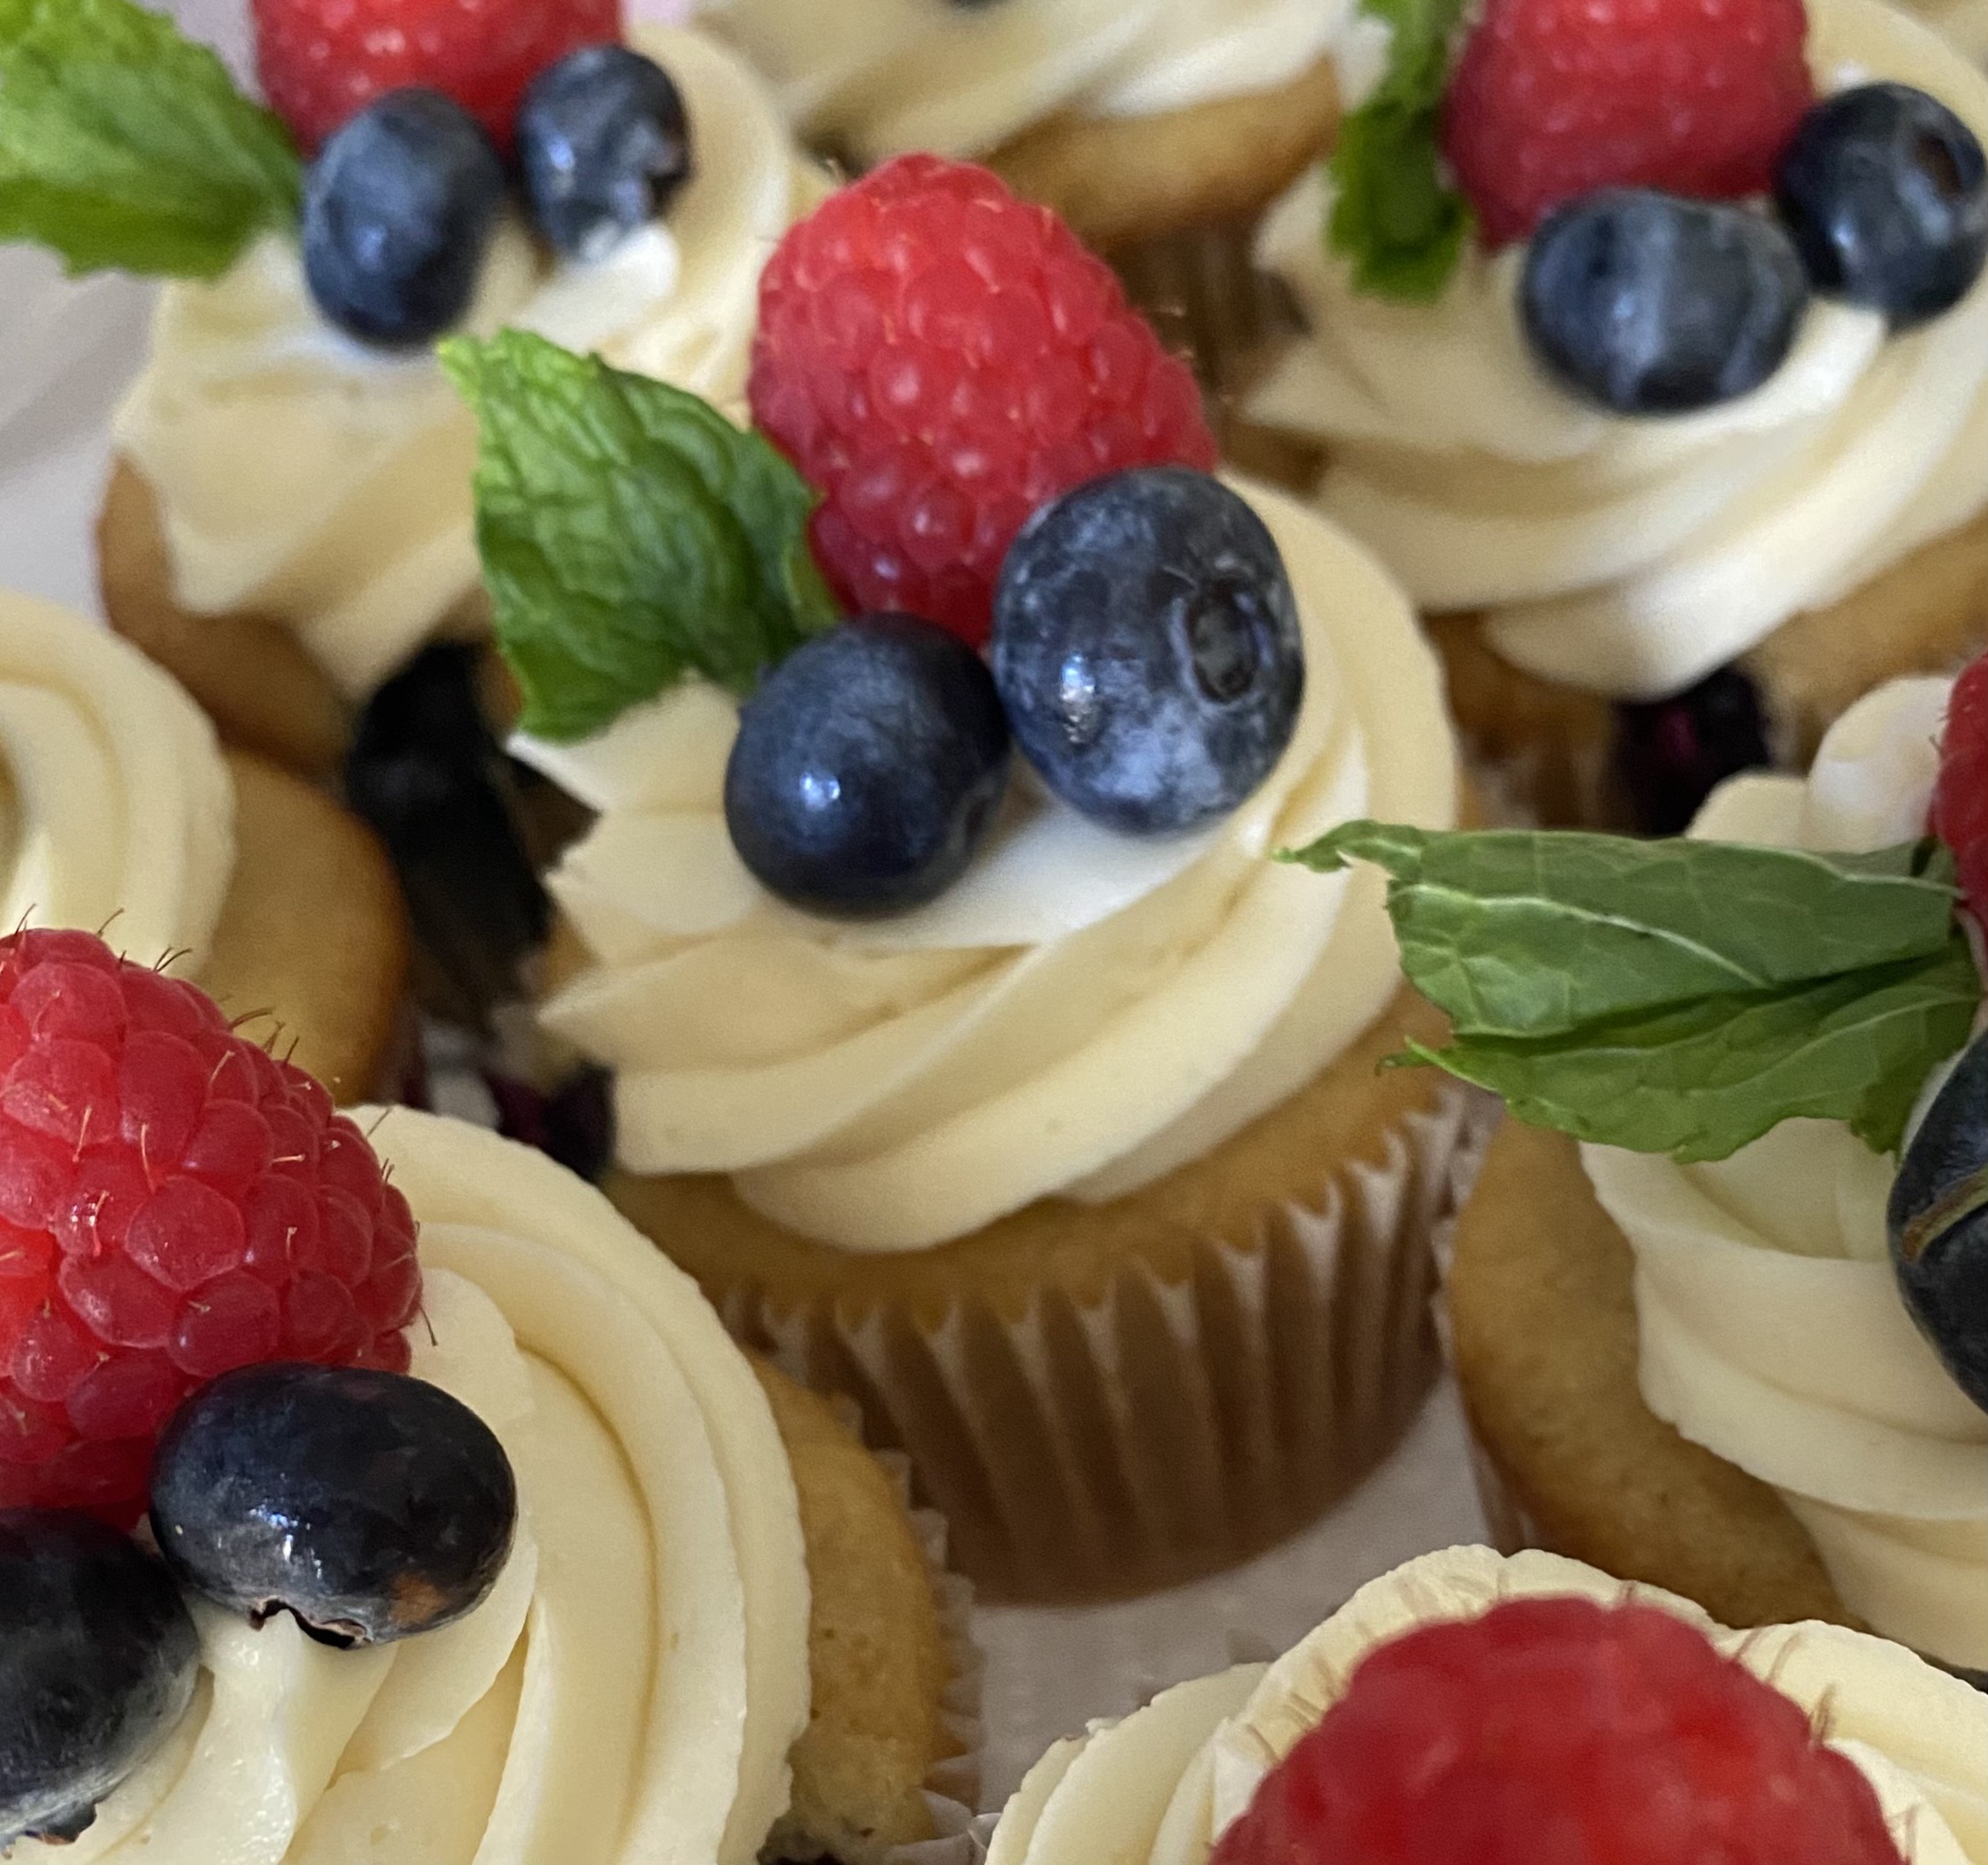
963, 1043
1732, 1343
1668, 546
124, 815
525, 1557
1470, 1708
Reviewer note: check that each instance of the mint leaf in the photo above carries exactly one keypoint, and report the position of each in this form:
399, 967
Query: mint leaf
1395, 214
122, 144
1677, 997
630, 535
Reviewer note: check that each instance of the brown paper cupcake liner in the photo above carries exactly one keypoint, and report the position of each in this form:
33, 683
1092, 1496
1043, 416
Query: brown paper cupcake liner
1158, 1429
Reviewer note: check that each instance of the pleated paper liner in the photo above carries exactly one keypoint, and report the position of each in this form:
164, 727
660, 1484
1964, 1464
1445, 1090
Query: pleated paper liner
1106, 1400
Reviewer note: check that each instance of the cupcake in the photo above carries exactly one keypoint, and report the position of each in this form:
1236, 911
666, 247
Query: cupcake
1717, 1307
289, 512
1678, 476
1470, 1710
963, 1046
492, 1545
125, 817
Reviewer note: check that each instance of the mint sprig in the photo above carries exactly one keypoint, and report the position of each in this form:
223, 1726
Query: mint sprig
124, 144
630, 535
1395, 214
1677, 997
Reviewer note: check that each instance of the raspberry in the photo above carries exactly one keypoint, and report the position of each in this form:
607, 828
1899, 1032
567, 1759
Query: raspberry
173, 1203
1551, 98
940, 360
322, 60
1960, 799
1561, 1729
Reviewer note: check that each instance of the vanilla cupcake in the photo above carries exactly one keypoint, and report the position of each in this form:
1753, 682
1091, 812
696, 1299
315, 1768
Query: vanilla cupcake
124, 816
1466, 1707
1641, 584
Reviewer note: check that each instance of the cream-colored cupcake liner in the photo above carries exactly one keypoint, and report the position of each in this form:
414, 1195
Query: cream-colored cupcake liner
1159, 1430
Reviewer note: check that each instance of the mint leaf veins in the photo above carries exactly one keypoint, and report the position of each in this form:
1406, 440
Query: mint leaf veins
630, 535
124, 144
1677, 997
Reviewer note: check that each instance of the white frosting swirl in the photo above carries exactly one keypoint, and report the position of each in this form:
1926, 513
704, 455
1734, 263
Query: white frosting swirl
1082, 1012
1773, 1328
886, 75
1631, 556
117, 810
1963, 24
1162, 1786
304, 478
628, 1692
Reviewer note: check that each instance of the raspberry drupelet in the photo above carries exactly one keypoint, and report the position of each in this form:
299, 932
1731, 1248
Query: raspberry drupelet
174, 1202
940, 360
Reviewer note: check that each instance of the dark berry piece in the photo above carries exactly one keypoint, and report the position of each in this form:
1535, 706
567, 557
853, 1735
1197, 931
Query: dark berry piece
572, 1123
1148, 649
371, 1505
98, 1662
1648, 303
868, 768
1885, 192
399, 209
604, 145
426, 771
1938, 1221
1670, 755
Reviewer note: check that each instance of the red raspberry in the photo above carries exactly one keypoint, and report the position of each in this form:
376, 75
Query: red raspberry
322, 61
1960, 799
940, 360
1561, 1729
173, 1203
1552, 99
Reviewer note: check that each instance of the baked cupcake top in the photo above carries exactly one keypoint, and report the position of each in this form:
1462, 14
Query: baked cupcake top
1382, 1730
564, 1558
119, 808
842, 944
1774, 414
883, 77
1762, 1034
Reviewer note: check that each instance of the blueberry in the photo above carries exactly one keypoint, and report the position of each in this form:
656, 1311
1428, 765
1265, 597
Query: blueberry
399, 209
370, 1505
98, 1662
1648, 303
868, 768
1938, 1222
1146, 646
604, 145
1670, 755
426, 771
1885, 192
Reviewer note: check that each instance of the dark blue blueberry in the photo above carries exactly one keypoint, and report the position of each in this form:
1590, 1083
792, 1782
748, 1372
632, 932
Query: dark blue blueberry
868, 768
1885, 192
1938, 1221
399, 209
604, 145
1648, 303
426, 771
98, 1662
1670, 755
1148, 649
370, 1505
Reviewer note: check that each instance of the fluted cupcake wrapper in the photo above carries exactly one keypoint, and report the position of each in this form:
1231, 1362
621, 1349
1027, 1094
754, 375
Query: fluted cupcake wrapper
1135, 1434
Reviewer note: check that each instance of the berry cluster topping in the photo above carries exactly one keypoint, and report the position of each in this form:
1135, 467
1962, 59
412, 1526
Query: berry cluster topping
940, 360
1560, 1728
174, 1202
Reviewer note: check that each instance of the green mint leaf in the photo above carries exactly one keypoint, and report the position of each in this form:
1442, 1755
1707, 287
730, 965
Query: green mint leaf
122, 144
630, 535
1394, 213
1677, 997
